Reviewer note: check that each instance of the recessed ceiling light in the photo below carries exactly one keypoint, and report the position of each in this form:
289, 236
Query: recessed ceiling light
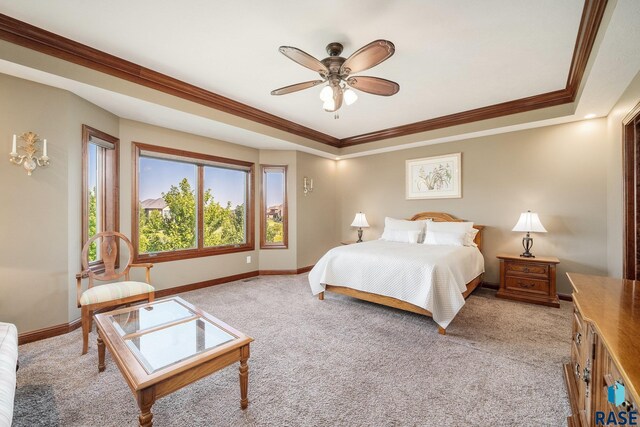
337, 158
590, 116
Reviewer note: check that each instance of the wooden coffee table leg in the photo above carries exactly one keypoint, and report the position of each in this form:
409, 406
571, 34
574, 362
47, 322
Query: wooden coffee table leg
101, 364
146, 399
244, 377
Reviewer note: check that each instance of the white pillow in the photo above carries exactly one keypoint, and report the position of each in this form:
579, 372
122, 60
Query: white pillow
445, 238
456, 227
403, 224
471, 235
402, 236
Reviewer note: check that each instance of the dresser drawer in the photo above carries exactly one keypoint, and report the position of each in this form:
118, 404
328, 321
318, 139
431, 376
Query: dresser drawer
527, 269
523, 284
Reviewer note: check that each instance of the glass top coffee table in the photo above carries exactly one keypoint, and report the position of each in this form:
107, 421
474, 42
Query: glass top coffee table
165, 345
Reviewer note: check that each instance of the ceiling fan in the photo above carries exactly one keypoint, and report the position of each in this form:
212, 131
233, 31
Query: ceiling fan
336, 72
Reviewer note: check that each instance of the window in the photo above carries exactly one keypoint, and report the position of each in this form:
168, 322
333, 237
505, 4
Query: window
273, 212
99, 187
190, 205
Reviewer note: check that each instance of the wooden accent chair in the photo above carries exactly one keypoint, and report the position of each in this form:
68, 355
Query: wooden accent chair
112, 294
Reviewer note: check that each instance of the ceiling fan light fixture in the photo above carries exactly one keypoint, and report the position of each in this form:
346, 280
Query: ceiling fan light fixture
326, 93
350, 97
329, 105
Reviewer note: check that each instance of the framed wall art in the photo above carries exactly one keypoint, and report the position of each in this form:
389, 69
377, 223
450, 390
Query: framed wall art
438, 177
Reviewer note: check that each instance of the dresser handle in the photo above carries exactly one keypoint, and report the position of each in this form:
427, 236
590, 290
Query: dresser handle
578, 338
586, 375
577, 370
526, 285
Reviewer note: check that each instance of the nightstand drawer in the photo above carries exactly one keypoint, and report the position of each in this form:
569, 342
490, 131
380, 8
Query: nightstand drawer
528, 269
522, 284
528, 279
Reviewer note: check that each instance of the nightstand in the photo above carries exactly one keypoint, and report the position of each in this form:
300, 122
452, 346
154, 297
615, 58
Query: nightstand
528, 279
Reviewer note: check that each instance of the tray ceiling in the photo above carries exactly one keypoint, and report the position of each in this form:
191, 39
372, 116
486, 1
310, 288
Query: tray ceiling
450, 56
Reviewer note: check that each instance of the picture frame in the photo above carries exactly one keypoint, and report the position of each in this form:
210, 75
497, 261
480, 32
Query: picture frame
437, 177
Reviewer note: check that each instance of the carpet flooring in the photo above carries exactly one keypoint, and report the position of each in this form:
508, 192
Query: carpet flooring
338, 362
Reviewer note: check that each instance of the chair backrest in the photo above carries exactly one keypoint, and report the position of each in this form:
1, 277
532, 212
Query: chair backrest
109, 254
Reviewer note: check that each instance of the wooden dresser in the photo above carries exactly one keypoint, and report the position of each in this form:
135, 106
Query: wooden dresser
605, 348
528, 279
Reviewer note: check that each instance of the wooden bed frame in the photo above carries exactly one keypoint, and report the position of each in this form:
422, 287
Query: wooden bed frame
402, 305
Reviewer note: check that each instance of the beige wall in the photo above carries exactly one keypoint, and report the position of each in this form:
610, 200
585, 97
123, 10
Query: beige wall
317, 211
39, 215
625, 104
557, 171
570, 174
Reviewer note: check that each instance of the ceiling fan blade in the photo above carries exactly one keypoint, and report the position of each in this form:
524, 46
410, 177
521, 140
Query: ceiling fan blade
304, 59
374, 85
368, 56
296, 87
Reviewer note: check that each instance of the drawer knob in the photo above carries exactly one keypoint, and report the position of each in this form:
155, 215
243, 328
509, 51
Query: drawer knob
586, 375
525, 285
526, 269
577, 370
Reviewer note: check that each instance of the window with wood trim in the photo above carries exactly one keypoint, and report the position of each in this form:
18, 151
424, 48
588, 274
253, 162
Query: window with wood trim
188, 205
100, 185
274, 225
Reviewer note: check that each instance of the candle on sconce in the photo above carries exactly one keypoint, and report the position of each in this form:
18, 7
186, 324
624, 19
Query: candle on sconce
44, 148
13, 147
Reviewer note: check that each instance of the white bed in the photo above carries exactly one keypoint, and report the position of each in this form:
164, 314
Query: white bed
433, 278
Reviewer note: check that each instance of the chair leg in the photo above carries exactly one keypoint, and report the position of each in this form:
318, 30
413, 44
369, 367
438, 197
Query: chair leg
86, 325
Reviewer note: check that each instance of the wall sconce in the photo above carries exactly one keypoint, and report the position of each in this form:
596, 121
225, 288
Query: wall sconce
307, 185
29, 160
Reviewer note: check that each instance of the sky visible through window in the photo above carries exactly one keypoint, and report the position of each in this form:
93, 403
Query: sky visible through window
275, 189
93, 166
228, 185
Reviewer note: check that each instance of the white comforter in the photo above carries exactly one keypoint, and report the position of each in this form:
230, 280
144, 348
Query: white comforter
429, 276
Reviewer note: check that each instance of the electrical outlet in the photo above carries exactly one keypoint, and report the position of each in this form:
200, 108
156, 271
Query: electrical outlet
249, 259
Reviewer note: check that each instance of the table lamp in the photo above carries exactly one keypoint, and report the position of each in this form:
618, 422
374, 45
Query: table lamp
529, 223
360, 221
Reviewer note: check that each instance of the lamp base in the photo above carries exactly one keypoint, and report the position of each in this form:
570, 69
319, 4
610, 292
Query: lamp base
359, 235
527, 243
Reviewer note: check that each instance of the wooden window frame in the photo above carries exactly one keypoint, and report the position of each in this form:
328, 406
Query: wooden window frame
200, 250
112, 161
263, 206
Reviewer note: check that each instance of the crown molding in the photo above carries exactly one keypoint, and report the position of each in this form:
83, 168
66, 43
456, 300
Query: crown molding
38, 39
32, 37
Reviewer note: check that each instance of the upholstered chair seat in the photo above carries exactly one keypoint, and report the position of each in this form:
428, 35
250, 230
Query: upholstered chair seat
114, 291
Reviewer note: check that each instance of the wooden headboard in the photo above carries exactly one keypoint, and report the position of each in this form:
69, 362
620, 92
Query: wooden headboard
445, 217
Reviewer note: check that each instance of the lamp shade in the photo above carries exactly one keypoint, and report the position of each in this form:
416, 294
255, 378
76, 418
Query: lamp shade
529, 222
360, 220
